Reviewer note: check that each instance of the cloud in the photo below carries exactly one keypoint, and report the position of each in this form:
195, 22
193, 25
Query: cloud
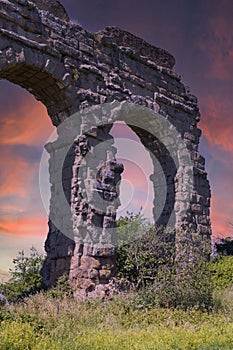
13, 179
220, 169
216, 122
29, 154
18, 170
220, 218
21, 211
25, 127
24, 226
217, 41
28, 125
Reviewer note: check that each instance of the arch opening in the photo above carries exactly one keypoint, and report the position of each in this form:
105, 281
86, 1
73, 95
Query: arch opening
136, 188
25, 127
159, 172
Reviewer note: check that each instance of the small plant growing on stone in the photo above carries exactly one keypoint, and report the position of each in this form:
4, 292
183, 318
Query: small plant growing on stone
75, 74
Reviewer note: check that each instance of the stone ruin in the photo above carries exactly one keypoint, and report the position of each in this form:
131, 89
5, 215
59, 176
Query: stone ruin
69, 70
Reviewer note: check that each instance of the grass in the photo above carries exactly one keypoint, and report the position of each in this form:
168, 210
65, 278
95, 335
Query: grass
42, 322
54, 321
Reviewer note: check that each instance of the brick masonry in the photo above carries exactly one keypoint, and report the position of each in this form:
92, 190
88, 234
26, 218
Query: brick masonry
69, 69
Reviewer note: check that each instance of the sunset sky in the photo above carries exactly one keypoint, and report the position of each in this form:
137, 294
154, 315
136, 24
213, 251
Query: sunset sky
200, 36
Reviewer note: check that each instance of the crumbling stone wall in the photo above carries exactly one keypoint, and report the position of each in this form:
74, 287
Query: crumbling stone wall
69, 69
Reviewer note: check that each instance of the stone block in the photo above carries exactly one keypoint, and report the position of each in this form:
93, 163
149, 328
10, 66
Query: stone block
104, 275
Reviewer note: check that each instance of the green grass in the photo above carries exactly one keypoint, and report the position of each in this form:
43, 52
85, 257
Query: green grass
51, 324
22, 336
46, 321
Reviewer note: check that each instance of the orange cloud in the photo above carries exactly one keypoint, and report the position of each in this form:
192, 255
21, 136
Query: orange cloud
221, 218
29, 124
216, 122
23, 126
17, 175
24, 227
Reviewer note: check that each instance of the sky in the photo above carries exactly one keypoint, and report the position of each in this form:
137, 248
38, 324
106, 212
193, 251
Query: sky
200, 36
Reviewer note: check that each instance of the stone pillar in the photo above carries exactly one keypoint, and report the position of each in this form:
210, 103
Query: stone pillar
82, 236
59, 244
95, 199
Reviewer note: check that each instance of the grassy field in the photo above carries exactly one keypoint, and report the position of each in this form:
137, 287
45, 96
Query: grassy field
42, 322
54, 321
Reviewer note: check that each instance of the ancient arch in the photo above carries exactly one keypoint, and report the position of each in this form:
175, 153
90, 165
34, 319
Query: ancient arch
70, 69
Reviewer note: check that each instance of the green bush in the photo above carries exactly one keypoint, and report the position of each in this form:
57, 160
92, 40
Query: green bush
62, 288
167, 268
130, 227
222, 272
25, 276
140, 260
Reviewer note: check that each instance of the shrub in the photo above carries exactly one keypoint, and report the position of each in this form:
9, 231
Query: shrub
193, 284
140, 260
167, 268
25, 276
222, 272
62, 288
130, 227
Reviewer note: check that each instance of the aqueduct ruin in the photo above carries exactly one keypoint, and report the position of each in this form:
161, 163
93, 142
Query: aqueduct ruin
70, 70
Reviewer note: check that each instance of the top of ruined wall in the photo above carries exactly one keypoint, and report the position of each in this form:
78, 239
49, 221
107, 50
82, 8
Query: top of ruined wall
54, 7
125, 39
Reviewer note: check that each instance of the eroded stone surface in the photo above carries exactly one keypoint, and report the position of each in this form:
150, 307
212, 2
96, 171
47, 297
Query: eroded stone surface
54, 7
69, 69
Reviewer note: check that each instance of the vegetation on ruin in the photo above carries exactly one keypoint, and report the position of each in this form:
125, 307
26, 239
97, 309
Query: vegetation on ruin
180, 301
